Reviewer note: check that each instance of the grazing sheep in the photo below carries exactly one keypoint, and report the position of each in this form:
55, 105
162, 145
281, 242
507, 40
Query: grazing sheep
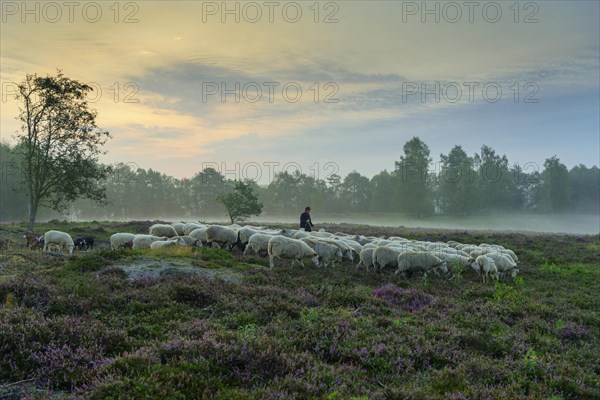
347, 251
385, 257
486, 267
34, 241
327, 252
144, 241
61, 239
162, 230
500, 251
188, 241
245, 233
414, 261
178, 228
190, 226
161, 244
366, 258
84, 243
121, 240
381, 242
504, 264
199, 234
467, 248
401, 247
284, 247
222, 236
258, 243
357, 247
301, 234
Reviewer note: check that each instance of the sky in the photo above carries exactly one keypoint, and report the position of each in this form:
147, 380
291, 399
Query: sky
254, 88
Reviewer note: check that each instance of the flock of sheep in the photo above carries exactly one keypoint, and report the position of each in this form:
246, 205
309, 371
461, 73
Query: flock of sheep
322, 248
325, 248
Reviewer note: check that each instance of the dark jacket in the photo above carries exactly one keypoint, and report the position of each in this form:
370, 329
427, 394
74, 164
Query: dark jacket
306, 222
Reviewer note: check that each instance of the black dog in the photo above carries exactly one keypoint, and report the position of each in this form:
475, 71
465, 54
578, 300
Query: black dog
84, 243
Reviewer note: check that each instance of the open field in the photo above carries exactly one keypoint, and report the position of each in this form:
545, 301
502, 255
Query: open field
188, 323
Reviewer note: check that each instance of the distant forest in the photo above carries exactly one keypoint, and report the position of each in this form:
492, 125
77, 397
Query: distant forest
463, 185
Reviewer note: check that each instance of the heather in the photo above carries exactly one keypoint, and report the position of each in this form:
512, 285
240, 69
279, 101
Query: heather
219, 325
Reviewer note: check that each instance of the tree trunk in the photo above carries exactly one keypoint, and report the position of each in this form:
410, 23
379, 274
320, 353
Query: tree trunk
32, 213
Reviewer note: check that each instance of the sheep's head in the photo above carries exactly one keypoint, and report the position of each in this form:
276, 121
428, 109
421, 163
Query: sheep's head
443, 267
315, 260
514, 273
474, 264
349, 255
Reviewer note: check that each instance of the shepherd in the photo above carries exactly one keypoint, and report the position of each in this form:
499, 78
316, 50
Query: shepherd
305, 221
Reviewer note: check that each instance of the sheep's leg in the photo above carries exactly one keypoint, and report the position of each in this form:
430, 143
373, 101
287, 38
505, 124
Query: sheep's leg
359, 265
271, 261
246, 250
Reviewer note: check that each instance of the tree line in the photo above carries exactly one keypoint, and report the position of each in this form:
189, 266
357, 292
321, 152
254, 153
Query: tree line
463, 185
54, 169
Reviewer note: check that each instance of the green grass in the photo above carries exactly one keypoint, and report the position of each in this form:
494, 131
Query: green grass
78, 326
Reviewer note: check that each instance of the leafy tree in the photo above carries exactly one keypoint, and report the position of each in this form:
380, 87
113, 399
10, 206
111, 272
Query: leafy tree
356, 191
206, 186
13, 203
414, 181
496, 186
242, 202
384, 192
457, 190
285, 192
585, 187
556, 185
59, 143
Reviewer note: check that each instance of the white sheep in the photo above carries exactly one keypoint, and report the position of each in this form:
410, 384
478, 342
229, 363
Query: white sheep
467, 248
61, 239
190, 226
300, 234
385, 257
486, 267
284, 247
162, 230
257, 243
222, 236
161, 244
199, 234
401, 247
500, 250
144, 241
504, 264
188, 241
415, 261
366, 258
121, 240
357, 247
347, 251
178, 228
327, 252
245, 232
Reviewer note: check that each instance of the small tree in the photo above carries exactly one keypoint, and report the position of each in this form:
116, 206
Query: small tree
59, 143
242, 202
